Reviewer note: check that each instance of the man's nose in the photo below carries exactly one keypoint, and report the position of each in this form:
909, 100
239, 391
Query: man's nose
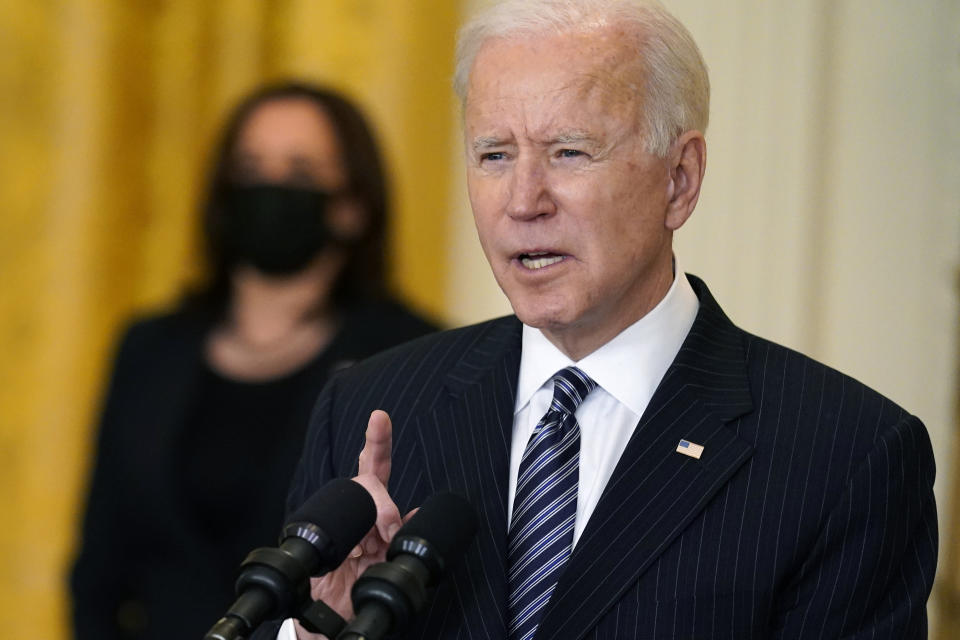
530, 195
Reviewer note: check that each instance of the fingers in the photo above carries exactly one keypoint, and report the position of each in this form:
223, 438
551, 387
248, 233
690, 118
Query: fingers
358, 551
374, 474
388, 515
375, 460
375, 457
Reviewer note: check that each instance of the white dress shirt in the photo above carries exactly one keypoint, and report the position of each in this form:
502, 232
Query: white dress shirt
627, 371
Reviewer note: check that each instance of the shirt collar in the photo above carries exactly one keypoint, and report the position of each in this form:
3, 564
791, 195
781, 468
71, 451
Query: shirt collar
630, 366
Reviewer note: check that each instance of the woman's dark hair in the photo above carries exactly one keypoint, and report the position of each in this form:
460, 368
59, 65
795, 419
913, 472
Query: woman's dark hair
363, 275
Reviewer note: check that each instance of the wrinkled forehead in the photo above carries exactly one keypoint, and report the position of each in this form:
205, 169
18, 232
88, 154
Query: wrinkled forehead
597, 69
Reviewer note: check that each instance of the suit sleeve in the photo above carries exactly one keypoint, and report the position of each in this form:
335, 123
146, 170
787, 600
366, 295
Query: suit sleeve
101, 578
873, 565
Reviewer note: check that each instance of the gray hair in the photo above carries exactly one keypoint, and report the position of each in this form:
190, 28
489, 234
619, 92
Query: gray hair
676, 89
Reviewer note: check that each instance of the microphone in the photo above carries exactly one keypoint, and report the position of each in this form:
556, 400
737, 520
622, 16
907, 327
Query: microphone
315, 540
389, 594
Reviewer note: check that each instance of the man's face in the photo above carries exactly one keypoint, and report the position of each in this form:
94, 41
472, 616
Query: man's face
570, 209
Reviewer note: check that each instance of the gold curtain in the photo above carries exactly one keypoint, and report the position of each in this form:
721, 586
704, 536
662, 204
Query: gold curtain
107, 114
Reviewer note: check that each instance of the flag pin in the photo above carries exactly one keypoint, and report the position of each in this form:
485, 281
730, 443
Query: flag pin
691, 449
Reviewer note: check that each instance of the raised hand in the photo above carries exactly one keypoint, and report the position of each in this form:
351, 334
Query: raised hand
374, 474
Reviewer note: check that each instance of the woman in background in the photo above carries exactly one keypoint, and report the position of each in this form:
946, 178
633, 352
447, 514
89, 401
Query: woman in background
208, 406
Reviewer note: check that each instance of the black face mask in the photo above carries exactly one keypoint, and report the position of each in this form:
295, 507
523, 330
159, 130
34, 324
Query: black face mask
276, 228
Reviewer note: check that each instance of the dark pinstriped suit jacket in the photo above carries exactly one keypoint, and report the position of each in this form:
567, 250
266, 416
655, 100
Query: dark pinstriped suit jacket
809, 515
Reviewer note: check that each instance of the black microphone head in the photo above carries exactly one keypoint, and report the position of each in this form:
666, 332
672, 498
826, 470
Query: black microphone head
341, 510
438, 533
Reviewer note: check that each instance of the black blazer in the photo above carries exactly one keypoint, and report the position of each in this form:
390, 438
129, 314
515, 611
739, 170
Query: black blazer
809, 515
145, 568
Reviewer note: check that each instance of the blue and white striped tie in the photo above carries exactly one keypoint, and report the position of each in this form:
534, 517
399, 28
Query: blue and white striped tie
545, 504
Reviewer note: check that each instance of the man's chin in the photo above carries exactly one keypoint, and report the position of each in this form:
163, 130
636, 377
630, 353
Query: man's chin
543, 307
539, 319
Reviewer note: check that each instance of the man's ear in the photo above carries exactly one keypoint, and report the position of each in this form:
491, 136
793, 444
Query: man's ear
688, 161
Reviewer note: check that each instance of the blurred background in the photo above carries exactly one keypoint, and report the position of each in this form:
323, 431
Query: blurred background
829, 221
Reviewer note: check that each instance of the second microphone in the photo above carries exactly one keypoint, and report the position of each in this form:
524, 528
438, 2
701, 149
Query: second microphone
388, 595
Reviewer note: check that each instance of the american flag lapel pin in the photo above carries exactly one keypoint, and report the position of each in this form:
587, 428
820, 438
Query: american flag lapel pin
691, 449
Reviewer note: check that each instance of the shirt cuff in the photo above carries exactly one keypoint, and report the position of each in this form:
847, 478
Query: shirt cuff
287, 630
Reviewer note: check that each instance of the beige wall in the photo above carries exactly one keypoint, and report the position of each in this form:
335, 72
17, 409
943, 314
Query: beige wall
830, 217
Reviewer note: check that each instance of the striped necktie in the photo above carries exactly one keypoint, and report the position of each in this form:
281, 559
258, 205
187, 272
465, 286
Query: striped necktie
545, 504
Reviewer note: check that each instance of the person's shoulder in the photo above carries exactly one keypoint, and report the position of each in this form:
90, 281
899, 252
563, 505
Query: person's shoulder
395, 311
153, 332
415, 377
827, 412
387, 322
778, 371
438, 351
799, 373
797, 403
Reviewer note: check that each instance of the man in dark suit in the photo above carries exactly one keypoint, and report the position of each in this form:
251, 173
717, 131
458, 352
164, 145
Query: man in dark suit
677, 477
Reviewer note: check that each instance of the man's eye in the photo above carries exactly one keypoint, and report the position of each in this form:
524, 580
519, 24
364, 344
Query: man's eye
493, 155
569, 153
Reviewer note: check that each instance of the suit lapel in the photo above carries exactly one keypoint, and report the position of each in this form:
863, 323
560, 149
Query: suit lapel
654, 491
466, 447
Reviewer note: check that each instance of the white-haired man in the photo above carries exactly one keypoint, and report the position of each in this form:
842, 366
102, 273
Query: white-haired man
642, 468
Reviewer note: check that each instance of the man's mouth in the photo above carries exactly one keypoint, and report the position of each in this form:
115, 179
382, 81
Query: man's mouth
539, 259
